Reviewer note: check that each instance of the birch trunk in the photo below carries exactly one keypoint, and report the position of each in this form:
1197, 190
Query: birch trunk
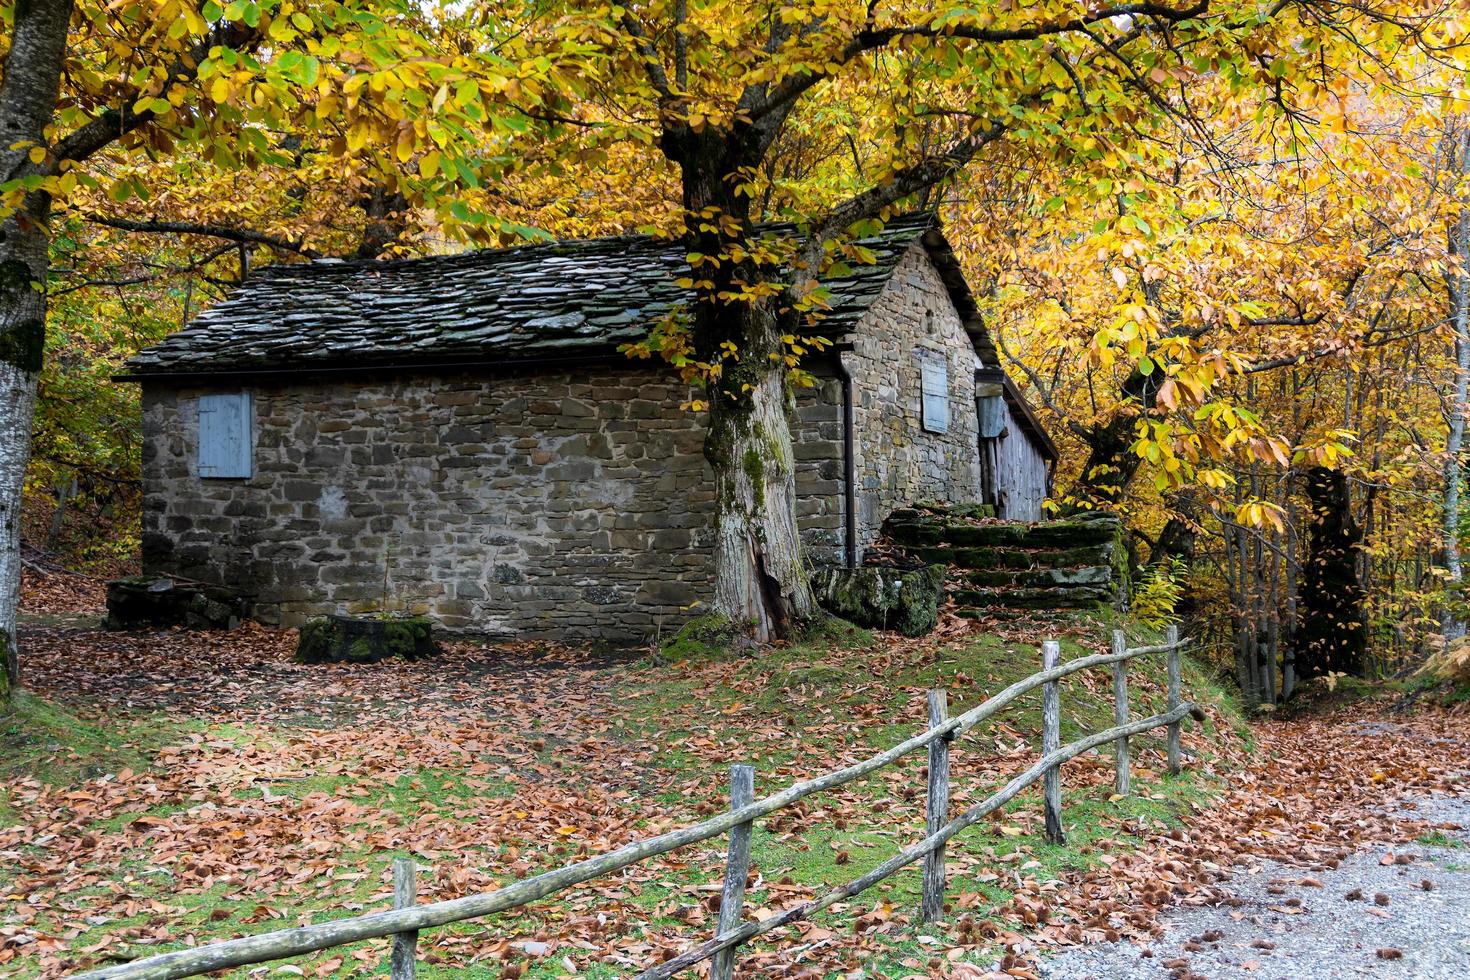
27, 103
1458, 281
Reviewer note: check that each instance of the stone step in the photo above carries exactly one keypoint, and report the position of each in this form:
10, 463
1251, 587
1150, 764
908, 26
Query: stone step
929, 512
921, 531
1040, 577
990, 558
1023, 598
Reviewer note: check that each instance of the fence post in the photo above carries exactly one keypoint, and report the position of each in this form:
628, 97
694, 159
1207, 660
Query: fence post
1174, 728
1051, 740
1120, 711
737, 869
932, 905
403, 963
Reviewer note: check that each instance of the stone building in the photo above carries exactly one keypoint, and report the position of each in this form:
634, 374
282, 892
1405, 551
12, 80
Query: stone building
459, 436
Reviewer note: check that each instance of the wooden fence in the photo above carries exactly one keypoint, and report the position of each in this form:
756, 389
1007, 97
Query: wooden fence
407, 918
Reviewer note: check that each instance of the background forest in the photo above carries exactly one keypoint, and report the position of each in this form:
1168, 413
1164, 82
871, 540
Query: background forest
1236, 284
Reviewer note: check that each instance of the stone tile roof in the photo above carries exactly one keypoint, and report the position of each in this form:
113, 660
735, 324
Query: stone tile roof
500, 306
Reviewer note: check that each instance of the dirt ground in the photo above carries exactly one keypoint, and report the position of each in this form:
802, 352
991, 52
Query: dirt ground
181, 788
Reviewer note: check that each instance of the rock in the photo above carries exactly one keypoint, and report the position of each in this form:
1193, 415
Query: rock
145, 602
348, 639
883, 598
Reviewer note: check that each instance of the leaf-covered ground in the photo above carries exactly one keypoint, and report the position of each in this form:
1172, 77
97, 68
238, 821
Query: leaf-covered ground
177, 788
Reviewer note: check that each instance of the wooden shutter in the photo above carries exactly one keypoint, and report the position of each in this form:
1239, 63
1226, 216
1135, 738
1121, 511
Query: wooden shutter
934, 378
224, 436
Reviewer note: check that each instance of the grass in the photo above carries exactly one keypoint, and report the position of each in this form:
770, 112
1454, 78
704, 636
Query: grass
1437, 838
839, 692
41, 741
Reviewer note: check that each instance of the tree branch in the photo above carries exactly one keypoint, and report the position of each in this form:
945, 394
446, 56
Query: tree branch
910, 180
244, 236
871, 38
653, 64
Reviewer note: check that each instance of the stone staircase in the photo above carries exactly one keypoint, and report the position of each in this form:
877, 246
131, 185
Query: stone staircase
998, 566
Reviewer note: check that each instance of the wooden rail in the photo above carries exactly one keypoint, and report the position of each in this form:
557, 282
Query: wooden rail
406, 919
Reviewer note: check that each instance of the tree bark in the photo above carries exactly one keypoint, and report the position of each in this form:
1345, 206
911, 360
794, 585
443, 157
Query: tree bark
1111, 462
1333, 633
761, 578
1458, 282
28, 98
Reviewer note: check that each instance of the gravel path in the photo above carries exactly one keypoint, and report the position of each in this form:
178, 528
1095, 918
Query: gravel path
1362, 919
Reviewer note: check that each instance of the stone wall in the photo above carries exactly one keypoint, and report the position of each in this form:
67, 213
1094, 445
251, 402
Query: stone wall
537, 504
531, 505
898, 463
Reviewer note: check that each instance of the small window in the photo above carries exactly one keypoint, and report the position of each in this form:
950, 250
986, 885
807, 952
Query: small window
224, 436
934, 379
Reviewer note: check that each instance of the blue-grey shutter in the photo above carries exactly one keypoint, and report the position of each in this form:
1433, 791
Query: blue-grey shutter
934, 378
224, 436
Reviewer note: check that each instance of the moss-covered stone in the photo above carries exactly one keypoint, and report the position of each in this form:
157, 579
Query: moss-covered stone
1084, 597
703, 636
347, 639
883, 598
1090, 575
1077, 562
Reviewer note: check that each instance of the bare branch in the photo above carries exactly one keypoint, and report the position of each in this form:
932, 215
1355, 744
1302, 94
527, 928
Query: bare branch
244, 236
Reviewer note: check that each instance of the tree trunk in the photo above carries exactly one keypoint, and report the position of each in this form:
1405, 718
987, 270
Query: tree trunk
1111, 462
1453, 620
1333, 634
27, 103
761, 579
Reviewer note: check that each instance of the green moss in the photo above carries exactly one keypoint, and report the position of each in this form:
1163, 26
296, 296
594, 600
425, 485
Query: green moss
755, 472
703, 636
883, 598
834, 632
343, 639
314, 643
401, 637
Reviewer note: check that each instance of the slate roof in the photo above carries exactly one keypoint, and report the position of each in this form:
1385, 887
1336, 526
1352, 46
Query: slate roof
532, 303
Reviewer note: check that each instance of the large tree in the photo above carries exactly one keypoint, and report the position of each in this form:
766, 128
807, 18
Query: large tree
933, 90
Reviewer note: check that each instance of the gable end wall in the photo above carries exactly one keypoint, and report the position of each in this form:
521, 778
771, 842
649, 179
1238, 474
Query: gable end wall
898, 463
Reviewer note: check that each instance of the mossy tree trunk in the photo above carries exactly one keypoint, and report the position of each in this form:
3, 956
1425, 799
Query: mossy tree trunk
28, 97
1111, 462
761, 581
760, 572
